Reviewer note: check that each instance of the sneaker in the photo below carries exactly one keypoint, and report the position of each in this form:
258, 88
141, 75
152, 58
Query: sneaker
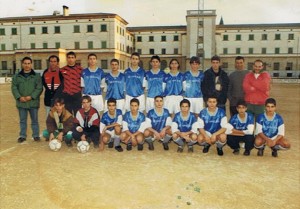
119, 148
21, 139
69, 144
220, 151
180, 149
206, 148
37, 139
166, 146
151, 146
274, 152
260, 152
129, 146
236, 151
247, 152
190, 149
140, 147
110, 144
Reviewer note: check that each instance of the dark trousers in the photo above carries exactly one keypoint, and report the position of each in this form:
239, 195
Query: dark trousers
90, 136
72, 102
233, 111
233, 141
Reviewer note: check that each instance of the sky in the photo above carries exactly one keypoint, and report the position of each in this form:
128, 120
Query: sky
163, 12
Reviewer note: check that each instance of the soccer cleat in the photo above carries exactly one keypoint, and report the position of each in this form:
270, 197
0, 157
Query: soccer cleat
236, 151
129, 146
110, 144
140, 147
260, 152
151, 146
220, 151
119, 148
247, 152
180, 149
206, 148
274, 152
166, 146
190, 149
37, 139
21, 139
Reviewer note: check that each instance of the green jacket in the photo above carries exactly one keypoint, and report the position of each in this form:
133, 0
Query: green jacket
27, 86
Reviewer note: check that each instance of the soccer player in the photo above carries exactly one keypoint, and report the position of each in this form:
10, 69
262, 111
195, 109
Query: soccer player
114, 86
134, 124
192, 85
110, 126
270, 130
154, 82
241, 127
59, 122
135, 82
183, 127
212, 123
91, 79
161, 122
173, 87
86, 123
72, 84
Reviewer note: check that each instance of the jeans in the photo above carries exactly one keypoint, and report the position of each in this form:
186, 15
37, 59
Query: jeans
33, 112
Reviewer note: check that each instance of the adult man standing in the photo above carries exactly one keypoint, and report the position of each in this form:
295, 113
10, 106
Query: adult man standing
215, 82
26, 88
235, 89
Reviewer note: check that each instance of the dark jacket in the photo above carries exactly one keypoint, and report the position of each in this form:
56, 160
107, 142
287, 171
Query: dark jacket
66, 119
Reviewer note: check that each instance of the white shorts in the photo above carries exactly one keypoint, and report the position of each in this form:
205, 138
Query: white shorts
120, 105
196, 104
140, 98
97, 102
172, 103
111, 133
149, 104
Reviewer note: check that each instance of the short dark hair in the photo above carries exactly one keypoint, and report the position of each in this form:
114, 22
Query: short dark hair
135, 54
194, 59
158, 96
71, 53
155, 57
240, 58
53, 56
92, 55
215, 57
135, 100
258, 60
185, 101
270, 101
87, 97
114, 60
26, 58
241, 102
111, 100
212, 96
59, 100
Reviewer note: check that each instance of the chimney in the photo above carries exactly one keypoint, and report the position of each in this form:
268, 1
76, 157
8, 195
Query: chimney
65, 10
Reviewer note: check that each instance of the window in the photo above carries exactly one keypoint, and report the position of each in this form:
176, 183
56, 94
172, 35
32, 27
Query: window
32, 45
4, 65
163, 64
37, 64
175, 50
290, 50
57, 45
151, 38
32, 30
56, 29
225, 50
44, 30
176, 38
238, 50
291, 36
3, 48
289, 66
45, 45
139, 51
225, 37
2, 31
163, 38
277, 50
238, 37
90, 28
200, 39
264, 37
163, 51
77, 45
103, 44
151, 51
276, 66
200, 23
139, 39
264, 50
225, 65
76, 28
104, 64
15, 46
250, 50
251, 37
250, 65
103, 28
90, 45
277, 36
14, 31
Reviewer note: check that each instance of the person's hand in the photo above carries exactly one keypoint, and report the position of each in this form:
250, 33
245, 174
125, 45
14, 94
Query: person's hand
22, 99
28, 98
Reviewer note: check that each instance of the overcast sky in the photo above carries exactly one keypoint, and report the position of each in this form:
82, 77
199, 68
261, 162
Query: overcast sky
163, 12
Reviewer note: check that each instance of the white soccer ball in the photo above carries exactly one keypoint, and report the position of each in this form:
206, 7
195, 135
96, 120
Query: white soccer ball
55, 145
83, 146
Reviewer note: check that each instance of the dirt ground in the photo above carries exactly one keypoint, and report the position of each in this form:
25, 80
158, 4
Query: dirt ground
33, 177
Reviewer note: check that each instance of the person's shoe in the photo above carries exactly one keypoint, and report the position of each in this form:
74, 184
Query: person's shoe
151, 146
37, 139
21, 139
180, 149
140, 147
247, 152
274, 152
190, 149
110, 144
220, 151
260, 152
166, 146
96, 146
119, 148
69, 143
236, 151
47, 139
206, 148
129, 146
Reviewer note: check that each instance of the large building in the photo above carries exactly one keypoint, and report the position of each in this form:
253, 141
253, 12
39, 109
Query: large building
108, 36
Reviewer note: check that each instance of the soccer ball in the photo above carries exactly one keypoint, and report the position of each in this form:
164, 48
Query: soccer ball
55, 145
83, 146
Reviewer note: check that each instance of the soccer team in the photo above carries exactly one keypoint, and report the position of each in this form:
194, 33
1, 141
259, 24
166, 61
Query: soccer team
186, 108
